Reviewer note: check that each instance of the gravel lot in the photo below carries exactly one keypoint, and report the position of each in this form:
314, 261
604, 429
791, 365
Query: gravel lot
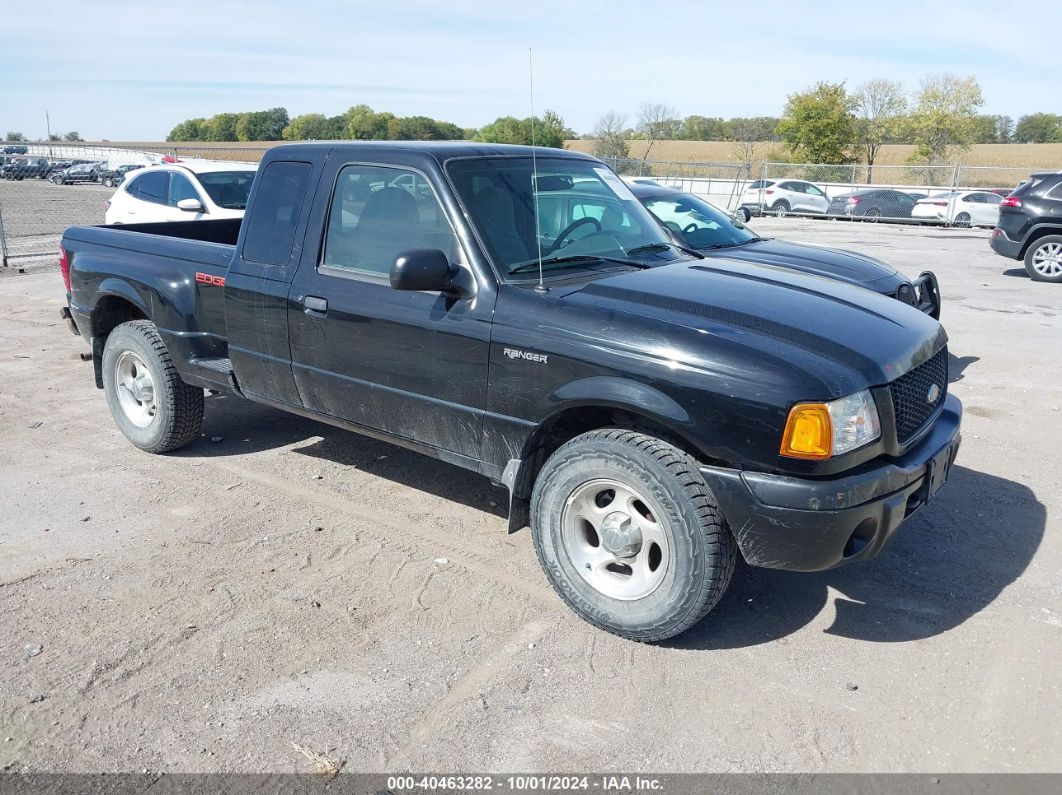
284, 582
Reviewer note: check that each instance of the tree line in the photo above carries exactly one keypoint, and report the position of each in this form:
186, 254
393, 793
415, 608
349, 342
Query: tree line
362, 123
828, 123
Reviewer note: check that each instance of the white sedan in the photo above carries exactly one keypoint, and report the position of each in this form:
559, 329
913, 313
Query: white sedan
779, 197
959, 208
181, 192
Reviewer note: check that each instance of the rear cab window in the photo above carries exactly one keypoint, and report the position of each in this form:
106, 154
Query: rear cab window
274, 218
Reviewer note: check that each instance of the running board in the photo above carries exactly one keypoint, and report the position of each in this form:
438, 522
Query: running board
221, 366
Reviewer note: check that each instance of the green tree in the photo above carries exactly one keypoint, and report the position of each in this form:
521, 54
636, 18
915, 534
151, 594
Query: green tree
262, 125
73, 135
944, 120
221, 127
879, 107
548, 131
610, 140
54, 137
818, 125
14, 136
701, 128
307, 127
1035, 128
364, 124
751, 129
189, 130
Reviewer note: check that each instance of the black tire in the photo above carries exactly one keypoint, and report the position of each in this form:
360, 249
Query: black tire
178, 414
872, 216
780, 208
1042, 271
962, 220
743, 214
56, 179
704, 551
108, 182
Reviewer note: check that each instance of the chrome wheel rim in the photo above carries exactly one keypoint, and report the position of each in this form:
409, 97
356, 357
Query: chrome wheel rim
614, 538
1047, 259
962, 220
135, 388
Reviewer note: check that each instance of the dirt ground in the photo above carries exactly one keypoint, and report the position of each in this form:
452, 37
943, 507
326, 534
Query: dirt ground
284, 582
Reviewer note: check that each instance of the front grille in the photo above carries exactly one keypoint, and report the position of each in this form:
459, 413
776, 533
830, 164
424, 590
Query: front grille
910, 395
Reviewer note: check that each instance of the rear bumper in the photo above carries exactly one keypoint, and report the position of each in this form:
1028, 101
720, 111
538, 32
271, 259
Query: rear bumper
800, 524
1003, 245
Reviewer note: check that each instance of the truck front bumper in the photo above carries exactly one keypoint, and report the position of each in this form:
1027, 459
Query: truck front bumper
804, 524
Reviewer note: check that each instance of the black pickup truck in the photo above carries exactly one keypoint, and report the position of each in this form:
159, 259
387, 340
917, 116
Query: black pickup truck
519, 313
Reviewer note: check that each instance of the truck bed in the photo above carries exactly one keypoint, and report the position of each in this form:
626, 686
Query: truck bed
172, 271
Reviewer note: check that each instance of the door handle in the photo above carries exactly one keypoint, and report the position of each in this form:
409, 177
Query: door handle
314, 305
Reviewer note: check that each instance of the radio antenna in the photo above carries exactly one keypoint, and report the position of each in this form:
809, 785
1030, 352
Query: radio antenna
534, 166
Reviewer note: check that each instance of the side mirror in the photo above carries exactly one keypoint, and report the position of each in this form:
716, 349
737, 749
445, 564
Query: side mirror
421, 269
190, 205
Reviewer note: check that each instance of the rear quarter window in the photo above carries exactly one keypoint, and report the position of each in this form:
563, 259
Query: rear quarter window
274, 215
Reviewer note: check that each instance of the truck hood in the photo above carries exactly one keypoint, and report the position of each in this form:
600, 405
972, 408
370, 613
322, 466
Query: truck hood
843, 337
818, 260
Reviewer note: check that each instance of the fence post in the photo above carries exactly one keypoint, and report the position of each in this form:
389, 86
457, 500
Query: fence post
3, 241
955, 176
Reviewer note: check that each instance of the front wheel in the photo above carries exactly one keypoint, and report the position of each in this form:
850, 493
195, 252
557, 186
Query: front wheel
152, 406
1043, 260
629, 534
108, 182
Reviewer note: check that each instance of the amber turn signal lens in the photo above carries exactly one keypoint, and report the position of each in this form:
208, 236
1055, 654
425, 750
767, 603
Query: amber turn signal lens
808, 432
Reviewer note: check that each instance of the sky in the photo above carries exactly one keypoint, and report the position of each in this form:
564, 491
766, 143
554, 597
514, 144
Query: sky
130, 71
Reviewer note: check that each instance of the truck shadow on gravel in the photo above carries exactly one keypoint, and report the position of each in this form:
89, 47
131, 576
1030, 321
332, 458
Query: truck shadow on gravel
245, 427
946, 564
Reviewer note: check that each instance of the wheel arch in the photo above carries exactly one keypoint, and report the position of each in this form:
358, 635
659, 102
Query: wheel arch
119, 305
1037, 232
591, 404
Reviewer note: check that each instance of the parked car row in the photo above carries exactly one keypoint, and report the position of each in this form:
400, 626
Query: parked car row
63, 172
952, 208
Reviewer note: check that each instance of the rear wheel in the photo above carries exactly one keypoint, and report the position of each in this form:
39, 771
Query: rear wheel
629, 534
1043, 260
108, 182
962, 220
56, 179
780, 208
873, 215
152, 406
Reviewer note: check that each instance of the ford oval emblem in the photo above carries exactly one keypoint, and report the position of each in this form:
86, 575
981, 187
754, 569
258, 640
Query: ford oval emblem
933, 394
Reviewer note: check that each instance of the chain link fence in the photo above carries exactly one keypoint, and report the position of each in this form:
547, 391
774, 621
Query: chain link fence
47, 187
36, 206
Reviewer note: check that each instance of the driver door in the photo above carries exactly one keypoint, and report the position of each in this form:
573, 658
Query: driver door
410, 364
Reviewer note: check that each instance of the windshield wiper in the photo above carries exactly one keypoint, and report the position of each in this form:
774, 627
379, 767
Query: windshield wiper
663, 247
575, 259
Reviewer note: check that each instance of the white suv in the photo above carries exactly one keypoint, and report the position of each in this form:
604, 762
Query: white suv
184, 192
780, 197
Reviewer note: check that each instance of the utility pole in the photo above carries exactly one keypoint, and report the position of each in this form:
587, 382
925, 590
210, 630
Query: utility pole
48, 126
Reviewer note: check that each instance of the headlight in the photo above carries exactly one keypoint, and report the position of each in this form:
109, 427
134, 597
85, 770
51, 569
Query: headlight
822, 430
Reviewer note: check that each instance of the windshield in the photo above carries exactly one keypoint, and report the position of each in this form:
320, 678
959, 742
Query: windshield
697, 222
587, 216
227, 189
